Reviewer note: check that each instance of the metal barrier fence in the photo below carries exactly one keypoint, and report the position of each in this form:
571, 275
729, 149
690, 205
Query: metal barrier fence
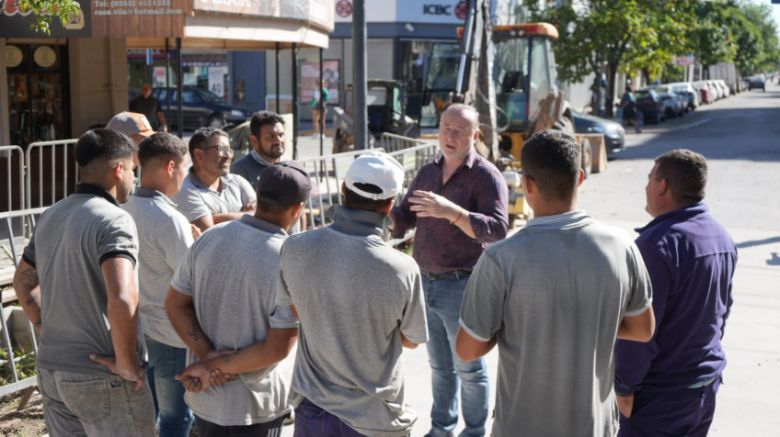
328, 171
392, 142
18, 344
49, 162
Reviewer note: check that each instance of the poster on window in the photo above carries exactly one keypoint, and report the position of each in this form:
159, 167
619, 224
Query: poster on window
217, 80
310, 73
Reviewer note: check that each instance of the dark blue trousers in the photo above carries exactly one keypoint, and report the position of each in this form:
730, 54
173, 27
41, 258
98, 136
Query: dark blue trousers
313, 421
681, 413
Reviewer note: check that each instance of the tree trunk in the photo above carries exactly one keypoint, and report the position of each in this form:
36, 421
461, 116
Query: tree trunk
610, 99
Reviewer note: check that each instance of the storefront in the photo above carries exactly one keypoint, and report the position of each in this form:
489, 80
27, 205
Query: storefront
401, 36
235, 78
56, 87
36, 75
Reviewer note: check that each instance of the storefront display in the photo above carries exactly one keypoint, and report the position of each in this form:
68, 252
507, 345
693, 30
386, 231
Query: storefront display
37, 93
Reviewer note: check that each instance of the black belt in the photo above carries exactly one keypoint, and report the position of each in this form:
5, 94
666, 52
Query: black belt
455, 274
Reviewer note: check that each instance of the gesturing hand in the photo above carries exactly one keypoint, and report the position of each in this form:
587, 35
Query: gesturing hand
135, 373
428, 204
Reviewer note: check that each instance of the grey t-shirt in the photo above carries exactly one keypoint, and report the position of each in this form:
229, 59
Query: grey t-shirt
355, 295
554, 295
71, 241
231, 273
164, 237
250, 167
196, 200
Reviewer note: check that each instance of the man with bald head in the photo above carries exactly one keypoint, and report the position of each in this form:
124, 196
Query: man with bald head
458, 204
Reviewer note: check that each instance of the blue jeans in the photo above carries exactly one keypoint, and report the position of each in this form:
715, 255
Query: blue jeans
173, 415
442, 305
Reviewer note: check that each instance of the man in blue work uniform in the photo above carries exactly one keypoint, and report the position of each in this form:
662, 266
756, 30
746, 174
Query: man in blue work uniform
668, 386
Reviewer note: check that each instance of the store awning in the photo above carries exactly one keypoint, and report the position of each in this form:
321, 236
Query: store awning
238, 33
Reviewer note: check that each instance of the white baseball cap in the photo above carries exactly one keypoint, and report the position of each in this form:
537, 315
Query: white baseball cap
377, 169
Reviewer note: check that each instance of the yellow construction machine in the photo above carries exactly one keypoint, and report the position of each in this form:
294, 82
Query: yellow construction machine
515, 90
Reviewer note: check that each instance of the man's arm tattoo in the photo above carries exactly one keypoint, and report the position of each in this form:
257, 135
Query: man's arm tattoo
195, 332
228, 358
29, 278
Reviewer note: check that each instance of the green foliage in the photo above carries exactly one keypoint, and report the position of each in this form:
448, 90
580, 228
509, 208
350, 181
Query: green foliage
644, 35
612, 35
46, 11
25, 365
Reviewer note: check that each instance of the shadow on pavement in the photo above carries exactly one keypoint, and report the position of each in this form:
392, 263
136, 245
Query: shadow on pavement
753, 243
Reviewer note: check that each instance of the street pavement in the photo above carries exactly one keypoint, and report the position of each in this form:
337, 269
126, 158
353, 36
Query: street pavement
740, 138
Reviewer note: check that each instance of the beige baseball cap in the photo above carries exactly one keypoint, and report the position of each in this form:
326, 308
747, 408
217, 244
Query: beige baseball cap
131, 124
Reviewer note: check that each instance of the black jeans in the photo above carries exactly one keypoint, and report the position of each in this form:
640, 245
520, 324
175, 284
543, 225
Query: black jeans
267, 429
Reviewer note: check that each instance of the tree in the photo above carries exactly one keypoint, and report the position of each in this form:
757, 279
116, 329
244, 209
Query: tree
629, 35
46, 11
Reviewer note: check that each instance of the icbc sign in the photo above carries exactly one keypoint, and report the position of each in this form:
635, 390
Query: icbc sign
11, 7
437, 9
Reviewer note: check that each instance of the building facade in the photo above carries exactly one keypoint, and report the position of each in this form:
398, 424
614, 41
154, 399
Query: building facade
57, 86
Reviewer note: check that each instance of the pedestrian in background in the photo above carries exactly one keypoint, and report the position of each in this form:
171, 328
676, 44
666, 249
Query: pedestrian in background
77, 283
164, 237
359, 302
554, 297
222, 299
668, 386
210, 194
148, 105
458, 203
320, 100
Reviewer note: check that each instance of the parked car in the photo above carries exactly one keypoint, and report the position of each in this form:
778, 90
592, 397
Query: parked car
201, 108
614, 134
705, 92
722, 84
687, 90
757, 82
648, 101
674, 104
717, 90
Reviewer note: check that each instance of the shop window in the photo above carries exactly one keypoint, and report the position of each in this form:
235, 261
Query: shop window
37, 85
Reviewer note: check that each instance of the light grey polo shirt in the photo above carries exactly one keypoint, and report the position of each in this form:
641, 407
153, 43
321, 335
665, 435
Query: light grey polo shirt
231, 273
355, 295
250, 167
196, 200
164, 237
554, 294
71, 241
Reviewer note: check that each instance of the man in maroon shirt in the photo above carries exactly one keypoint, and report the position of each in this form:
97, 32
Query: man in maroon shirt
458, 203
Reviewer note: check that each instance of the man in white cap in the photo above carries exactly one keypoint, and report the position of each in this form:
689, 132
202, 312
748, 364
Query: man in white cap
134, 125
359, 301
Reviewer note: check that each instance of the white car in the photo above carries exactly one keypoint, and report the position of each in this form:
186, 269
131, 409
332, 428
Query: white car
690, 93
